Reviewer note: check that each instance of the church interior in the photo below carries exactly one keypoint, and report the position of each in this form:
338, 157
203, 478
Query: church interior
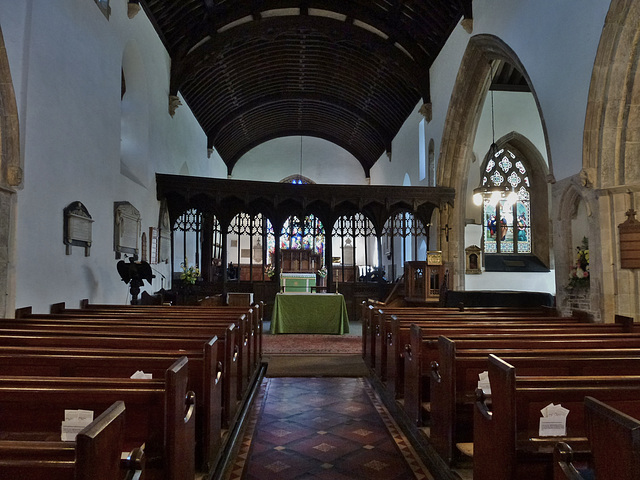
449, 185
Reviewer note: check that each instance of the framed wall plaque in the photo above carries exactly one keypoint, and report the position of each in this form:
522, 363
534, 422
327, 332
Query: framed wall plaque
473, 262
154, 235
434, 257
78, 227
164, 240
126, 229
630, 241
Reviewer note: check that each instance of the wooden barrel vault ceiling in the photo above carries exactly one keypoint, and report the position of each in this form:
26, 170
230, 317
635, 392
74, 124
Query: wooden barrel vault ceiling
347, 71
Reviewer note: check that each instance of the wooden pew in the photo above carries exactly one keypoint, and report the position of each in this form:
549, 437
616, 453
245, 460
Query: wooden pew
233, 357
614, 441
373, 325
454, 380
160, 413
505, 435
87, 363
390, 344
570, 465
256, 309
175, 327
381, 327
255, 312
137, 319
422, 350
250, 327
166, 317
219, 364
96, 454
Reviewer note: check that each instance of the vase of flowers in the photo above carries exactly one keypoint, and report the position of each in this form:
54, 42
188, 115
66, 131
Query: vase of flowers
579, 271
322, 274
189, 274
269, 271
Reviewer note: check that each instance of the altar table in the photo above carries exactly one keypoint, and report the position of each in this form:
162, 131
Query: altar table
297, 282
309, 313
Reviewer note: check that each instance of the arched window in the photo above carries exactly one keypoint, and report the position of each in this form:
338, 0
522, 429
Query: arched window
505, 195
104, 7
297, 180
305, 234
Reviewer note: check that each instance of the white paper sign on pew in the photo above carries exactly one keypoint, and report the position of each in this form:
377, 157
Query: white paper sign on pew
141, 375
483, 382
74, 421
553, 422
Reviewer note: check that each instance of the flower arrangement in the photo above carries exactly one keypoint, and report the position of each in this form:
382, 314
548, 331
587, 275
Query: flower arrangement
189, 274
323, 271
579, 272
269, 270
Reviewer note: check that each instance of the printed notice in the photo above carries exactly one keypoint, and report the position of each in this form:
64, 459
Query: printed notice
73, 423
483, 382
553, 422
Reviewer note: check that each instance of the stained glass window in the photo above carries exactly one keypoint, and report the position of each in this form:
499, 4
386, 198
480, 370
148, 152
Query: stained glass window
506, 208
306, 235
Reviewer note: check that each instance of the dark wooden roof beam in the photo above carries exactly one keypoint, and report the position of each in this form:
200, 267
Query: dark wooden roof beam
264, 103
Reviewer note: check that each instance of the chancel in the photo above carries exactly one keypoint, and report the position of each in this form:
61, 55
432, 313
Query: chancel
429, 207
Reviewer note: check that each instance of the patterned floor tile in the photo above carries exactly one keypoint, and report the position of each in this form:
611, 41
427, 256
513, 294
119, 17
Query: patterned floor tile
328, 428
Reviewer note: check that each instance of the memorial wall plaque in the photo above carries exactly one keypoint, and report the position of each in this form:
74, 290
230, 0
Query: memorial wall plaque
630, 241
164, 241
473, 262
153, 245
434, 257
77, 227
126, 228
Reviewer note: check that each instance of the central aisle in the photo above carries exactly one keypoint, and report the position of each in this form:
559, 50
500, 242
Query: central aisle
325, 428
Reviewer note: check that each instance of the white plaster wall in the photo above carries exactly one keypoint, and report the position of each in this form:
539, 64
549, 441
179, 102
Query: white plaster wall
513, 112
557, 49
322, 162
66, 59
505, 281
405, 156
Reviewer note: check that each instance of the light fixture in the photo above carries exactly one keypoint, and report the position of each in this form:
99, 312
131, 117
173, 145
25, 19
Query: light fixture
487, 188
477, 196
298, 181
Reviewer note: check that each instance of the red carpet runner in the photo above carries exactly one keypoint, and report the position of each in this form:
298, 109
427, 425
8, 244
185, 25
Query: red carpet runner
311, 344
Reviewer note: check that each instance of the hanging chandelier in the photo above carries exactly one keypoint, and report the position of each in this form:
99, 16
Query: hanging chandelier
493, 187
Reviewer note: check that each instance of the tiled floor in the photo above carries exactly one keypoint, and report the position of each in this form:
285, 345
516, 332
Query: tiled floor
323, 428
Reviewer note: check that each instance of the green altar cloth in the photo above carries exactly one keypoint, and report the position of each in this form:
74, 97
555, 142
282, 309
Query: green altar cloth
309, 313
297, 282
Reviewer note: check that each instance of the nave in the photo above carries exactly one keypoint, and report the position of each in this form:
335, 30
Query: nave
324, 428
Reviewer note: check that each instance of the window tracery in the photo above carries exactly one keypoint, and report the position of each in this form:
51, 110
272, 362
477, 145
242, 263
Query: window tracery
506, 204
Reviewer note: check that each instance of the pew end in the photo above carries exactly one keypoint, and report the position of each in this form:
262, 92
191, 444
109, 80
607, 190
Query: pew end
564, 463
615, 440
132, 464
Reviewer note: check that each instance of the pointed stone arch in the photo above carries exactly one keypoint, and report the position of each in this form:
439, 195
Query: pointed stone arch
611, 171
570, 195
11, 169
468, 96
538, 170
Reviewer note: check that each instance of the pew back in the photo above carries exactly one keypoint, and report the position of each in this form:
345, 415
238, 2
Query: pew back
506, 440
